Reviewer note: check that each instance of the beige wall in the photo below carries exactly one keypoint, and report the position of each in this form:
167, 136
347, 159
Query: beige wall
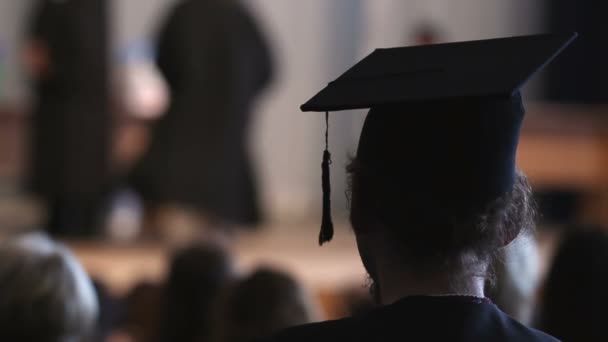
313, 41
316, 41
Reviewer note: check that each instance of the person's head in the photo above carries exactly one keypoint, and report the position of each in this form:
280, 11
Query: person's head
262, 304
143, 305
434, 184
435, 207
575, 297
197, 276
45, 295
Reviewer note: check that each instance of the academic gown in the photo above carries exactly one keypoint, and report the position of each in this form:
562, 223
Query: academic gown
70, 121
421, 319
215, 61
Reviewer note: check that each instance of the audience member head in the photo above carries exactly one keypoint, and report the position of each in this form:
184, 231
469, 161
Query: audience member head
45, 295
262, 304
575, 297
514, 284
143, 312
409, 239
197, 276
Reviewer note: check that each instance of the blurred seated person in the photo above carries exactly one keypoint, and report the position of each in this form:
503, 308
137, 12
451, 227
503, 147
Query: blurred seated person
435, 192
45, 295
262, 304
575, 298
514, 286
198, 275
142, 314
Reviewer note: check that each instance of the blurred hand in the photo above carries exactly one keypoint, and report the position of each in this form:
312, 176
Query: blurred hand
36, 59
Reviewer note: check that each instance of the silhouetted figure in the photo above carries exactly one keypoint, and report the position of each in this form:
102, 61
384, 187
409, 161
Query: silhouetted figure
262, 304
575, 298
434, 188
197, 277
216, 62
143, 307
66, 56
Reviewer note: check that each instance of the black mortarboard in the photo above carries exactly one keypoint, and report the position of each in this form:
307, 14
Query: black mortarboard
445, 117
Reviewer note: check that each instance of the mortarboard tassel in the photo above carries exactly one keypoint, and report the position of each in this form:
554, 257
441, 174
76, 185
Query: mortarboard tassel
327, 226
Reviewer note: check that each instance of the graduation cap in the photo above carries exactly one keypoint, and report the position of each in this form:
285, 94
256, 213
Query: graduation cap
446, 117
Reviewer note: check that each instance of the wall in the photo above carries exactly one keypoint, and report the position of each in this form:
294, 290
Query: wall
314, 41
12, 15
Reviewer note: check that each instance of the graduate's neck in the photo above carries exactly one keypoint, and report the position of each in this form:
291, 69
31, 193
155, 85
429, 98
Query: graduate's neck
395, 284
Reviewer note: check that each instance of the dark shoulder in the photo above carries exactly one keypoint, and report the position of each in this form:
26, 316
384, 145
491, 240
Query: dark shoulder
351, 330
424, 319
514, 330
541, 336
336, 330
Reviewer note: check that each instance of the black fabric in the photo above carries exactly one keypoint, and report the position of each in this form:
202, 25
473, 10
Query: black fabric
580, 75
75, 216
216, 61
445, 152
70, 121
491, 67
421, 319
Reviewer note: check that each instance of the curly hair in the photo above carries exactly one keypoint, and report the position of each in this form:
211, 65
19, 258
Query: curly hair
429, 232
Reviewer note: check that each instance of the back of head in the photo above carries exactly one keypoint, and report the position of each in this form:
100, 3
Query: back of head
575, 296
45, 295
143, 312
432, 234
262, 304
435, 183
197, 276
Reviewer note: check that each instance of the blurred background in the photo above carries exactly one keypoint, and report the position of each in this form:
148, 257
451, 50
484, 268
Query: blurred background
130, 127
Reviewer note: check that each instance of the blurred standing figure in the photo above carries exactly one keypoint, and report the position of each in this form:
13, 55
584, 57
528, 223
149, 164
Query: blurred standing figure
198, 274
66, 57
215, 61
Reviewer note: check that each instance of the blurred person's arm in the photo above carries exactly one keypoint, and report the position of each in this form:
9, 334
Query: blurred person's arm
36, 54
36, 59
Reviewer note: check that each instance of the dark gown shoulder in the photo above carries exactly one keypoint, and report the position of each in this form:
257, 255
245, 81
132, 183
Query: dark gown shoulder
420, 319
